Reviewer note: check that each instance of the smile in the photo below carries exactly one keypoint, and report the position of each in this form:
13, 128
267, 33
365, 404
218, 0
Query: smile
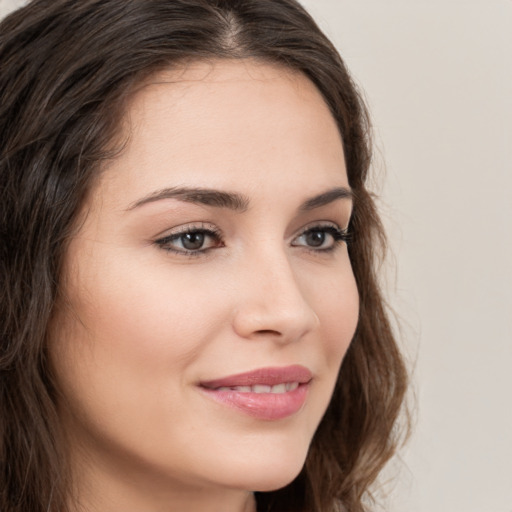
266, 393
262, 388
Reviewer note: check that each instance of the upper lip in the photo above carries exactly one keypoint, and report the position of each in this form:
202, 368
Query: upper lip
270, 376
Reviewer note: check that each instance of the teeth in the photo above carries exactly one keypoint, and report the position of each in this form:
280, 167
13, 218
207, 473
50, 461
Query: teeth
290, 386
261, 388
243, 389
278, 388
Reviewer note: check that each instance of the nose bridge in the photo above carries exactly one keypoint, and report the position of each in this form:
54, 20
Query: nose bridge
271, 301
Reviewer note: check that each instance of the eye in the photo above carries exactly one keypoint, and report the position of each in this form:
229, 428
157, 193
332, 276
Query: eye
321, 238
191, 240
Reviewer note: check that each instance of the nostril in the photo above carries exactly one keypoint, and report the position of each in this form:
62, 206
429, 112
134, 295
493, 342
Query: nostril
268, 331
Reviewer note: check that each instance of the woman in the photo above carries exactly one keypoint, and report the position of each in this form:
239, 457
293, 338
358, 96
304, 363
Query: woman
188, 253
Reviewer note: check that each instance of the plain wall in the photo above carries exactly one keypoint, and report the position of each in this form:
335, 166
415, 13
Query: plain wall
438, 78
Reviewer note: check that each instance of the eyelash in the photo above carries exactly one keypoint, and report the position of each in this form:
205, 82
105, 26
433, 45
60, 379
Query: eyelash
202, 229
339, 236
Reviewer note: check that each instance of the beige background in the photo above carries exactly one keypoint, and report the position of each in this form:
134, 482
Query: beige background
438, 78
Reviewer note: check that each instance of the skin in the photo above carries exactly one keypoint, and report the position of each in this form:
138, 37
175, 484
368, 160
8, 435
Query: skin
141, 326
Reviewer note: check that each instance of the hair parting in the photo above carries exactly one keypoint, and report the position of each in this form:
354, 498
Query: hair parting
68, 70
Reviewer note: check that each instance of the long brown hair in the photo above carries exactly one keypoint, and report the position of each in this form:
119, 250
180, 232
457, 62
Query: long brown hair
66, 69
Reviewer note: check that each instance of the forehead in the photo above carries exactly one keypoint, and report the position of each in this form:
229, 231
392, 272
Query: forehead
209, 123
238, 79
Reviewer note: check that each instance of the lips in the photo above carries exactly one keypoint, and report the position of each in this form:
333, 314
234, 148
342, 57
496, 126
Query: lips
266, 393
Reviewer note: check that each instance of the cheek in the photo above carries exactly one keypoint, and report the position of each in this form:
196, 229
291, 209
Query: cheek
337, 306
147, 310
335, 299
126, 356
130, 333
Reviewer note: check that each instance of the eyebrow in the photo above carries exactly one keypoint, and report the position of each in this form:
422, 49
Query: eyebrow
205, 196
326, 198
233, 200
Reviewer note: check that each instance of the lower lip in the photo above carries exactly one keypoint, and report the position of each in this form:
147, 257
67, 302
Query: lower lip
264, 406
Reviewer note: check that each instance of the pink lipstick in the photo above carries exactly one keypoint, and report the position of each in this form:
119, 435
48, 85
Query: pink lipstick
266, 393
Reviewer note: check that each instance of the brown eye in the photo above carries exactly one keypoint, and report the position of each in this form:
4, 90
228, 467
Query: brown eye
192, 241
314, 238
321, 238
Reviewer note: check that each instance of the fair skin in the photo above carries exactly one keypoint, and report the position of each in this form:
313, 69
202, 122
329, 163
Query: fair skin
166, 289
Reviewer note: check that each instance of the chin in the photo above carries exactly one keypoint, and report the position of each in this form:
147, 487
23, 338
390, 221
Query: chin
275, 482
271, 474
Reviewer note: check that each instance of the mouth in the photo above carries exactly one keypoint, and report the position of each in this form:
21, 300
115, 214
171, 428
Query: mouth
266, 393
262, 388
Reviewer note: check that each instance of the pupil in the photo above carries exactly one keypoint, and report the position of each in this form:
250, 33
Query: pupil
193, 241
315, 238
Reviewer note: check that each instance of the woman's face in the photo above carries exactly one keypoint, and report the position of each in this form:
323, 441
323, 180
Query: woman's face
209, 293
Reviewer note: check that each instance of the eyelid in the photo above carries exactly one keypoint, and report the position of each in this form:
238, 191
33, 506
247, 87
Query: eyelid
163, 242
339, 235
168, 242
185, 228
321, 224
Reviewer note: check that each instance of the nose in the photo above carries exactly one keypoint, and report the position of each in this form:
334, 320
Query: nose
271, 302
